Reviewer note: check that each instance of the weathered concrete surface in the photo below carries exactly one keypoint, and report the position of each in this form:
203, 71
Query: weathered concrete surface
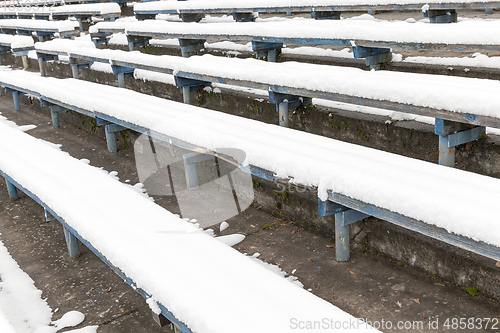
371, 285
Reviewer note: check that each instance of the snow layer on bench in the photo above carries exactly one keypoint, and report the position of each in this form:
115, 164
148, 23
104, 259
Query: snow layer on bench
39, 24
16, 41
407, 186
193, 4
458, 94
205, 283
91, 9
365, 27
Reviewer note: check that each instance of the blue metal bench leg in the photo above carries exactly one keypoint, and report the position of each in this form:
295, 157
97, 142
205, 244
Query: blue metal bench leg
446, 155
110, 131
121, 80
54, 112
12, 190
284, 102
74, 71
342, 239
283, 114
41, 65
15, 96
25, 59
72, 243
342, 235
186, 94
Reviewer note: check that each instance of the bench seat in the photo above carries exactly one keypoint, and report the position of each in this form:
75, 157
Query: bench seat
399, 184
242, 6
467, 100
207, 285
467, 34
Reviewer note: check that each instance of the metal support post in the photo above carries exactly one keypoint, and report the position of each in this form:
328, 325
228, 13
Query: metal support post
110, 131
72, 243
190, 46
342, 232
15, 97
12, 190
285, 102
452, 134
269, 50
374, 56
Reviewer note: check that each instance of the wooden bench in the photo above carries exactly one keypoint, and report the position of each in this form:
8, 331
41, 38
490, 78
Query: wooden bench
43, 29
92, 206
438, 11
353, 182
461, 113
373, 40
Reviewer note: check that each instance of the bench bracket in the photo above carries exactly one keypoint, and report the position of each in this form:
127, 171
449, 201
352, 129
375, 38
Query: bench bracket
110, 131
191, 17
267, 49
121, 73
441, 15
244, 17
285, 102
191, 46
327, 208
188, 86
374, 56
452, 134
325, 15
54, 112
136, 41
76, 64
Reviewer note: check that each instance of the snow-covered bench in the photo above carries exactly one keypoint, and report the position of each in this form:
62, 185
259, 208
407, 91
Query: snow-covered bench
371, 39
107, 11
439, 11
43, 29
353, 182
462, 106
213, 287
18, 45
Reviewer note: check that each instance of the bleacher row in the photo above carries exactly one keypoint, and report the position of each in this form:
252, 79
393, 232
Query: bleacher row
352, 182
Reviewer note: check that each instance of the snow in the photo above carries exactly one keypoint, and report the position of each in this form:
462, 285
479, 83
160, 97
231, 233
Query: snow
457, 94
59, 26
20, 300
94, 9
207, 4
16, 41
342, 168
231, 240
69, 319
223, 226
476, 60
466, 31
69, 187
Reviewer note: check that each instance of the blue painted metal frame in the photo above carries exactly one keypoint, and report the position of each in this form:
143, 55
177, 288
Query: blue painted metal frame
429, 230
